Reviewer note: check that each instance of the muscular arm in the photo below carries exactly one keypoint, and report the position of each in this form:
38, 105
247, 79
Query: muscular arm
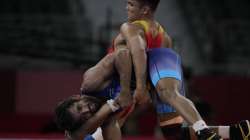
137, 46
123, 65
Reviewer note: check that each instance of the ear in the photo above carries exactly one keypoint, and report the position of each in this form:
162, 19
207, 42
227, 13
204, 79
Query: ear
146, 10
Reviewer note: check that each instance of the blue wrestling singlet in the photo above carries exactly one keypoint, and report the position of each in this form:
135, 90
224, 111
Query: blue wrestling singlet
110, 92
89, 137
164, 63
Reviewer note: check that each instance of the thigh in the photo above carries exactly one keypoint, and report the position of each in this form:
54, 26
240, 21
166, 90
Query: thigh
165, 74
161, 106
169, 84
99, 76
163, 63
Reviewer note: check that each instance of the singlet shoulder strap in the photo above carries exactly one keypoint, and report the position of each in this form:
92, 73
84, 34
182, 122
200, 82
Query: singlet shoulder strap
144, 24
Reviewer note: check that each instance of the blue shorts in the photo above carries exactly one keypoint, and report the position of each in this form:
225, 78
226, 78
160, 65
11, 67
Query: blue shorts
164, 63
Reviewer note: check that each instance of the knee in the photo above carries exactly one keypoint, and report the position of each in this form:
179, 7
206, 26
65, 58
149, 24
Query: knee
168, 89
168, 94
173, 96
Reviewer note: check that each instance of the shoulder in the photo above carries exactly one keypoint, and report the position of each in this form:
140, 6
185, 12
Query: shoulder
130, 27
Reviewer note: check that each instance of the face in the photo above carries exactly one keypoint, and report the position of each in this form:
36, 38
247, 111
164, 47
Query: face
81, 109
134, 10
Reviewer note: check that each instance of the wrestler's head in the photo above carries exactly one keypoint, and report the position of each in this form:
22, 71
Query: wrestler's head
138, 9
75, 111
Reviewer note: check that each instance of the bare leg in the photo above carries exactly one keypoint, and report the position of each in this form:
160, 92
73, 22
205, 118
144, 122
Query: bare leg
99, 76
168, 89
238, 131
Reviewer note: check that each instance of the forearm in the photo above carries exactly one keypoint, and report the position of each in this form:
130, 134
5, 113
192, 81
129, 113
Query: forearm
137, 46
94, 122
123, 65
139, 57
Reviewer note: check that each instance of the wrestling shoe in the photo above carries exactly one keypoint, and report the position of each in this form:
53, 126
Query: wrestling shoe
207, 134
240, 131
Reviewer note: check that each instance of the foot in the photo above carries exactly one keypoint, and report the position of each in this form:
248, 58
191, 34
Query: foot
240, 131
207, 134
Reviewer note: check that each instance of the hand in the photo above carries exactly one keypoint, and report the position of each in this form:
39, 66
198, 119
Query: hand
124, 99
141, 95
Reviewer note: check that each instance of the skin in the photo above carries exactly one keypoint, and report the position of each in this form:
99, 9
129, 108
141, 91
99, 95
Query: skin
111, 129
110, 124
93, 122
79, 108
117, 62
133, 37
167, 88
104, 69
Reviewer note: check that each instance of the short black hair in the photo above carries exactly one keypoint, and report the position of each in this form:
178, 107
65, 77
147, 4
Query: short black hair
64, 118
153, 4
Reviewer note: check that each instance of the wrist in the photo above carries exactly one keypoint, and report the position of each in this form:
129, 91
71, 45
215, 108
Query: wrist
140, 84
140, 87
112, 105
125, 89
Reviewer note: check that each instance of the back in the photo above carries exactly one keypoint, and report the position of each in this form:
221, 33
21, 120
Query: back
154, 33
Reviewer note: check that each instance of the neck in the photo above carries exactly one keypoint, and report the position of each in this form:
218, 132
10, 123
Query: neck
148, 17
